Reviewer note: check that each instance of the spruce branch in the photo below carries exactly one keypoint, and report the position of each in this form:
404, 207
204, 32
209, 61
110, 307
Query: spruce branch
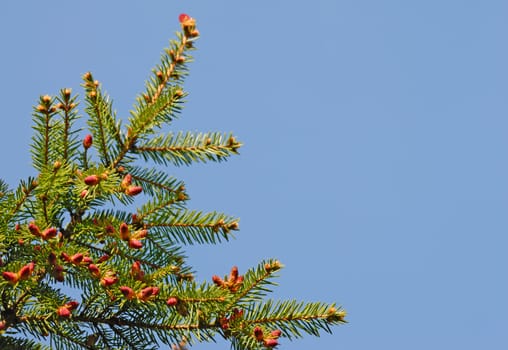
77, 226
102, 122
186, 148
191, 226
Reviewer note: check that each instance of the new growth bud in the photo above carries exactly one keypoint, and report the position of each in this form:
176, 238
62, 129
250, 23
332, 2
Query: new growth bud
92, 180
172, 301
87, 141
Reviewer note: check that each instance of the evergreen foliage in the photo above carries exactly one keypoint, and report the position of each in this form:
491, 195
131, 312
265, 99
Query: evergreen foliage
71, 231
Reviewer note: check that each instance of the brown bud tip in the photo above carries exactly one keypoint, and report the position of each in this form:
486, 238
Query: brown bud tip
67, 92
58, 273
180, 59
124, 232
52, 258
92, 180
87, 76
46, 98
56, 165
92, 94
87, 141
172, 301
274, 266
133, 190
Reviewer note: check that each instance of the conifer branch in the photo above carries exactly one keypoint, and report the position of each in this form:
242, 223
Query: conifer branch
184, 149
67, 106
47, 133
74, 225
190, 226
102, 122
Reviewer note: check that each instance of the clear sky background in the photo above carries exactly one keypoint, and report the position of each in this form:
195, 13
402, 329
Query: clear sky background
375, 164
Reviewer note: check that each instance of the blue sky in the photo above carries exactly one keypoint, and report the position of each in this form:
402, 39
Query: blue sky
375, 164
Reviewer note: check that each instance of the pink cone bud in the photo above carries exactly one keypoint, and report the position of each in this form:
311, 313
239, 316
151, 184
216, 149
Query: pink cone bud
217, 280
133, 190
11, 277
77, 258
136, 271
258, 333
127, 181
87, 141
108, 281
147, 292
94, 270
63, 311
26, 271
172, 301
276, 333
65, 257
271, 343
92, 180
49, 233
135, 244
127, 292
183, 18
34, 229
